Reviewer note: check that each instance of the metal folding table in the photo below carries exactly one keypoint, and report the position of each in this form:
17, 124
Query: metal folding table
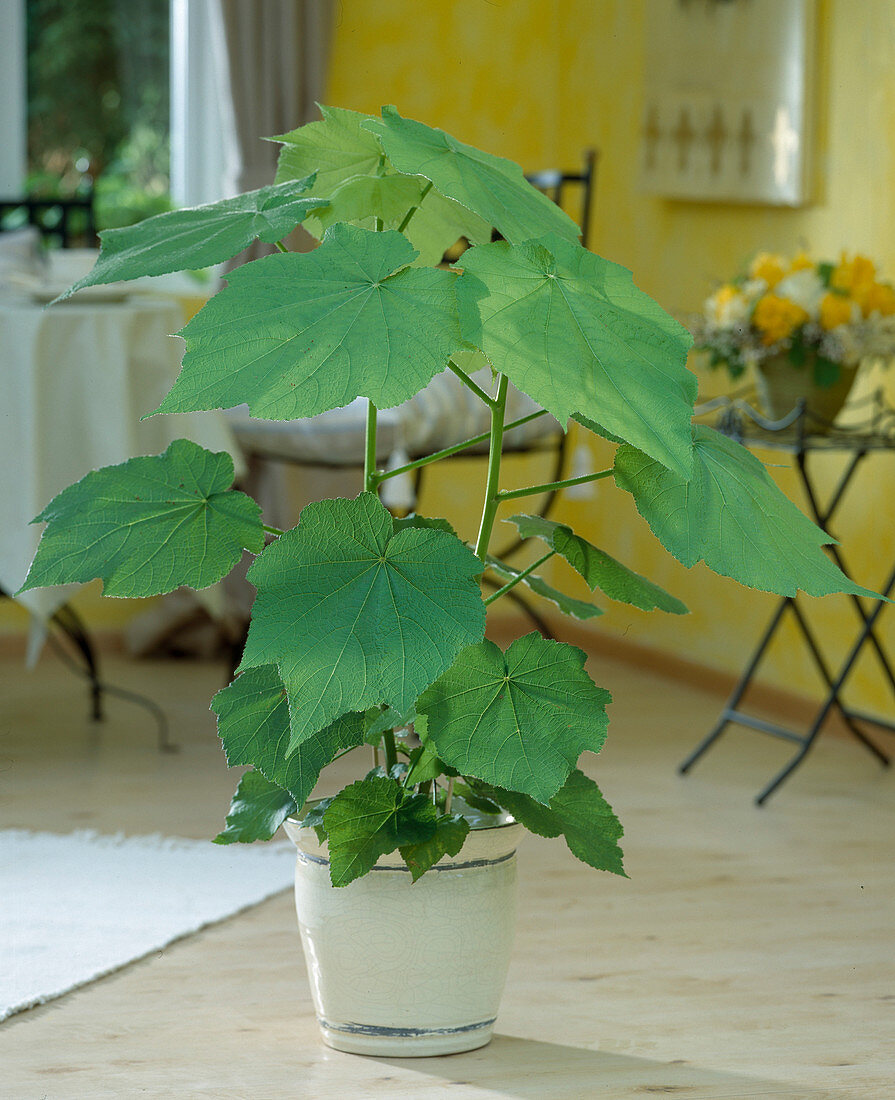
797, 436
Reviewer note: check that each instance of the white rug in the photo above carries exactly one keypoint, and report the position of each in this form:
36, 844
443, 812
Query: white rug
78, 906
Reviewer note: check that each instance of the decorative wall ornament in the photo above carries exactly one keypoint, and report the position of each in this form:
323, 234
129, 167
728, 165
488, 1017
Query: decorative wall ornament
727, 113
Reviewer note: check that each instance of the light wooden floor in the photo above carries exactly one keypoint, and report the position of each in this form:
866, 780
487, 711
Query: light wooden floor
751, 953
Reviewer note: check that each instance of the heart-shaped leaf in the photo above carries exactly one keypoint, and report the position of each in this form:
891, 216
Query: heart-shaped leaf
579, 812
519, 720
253, 724
181, 240
596, 566
572, 331
733, 517
257, 810
297, 334
369, 819
355, 614
492, 187
148, 525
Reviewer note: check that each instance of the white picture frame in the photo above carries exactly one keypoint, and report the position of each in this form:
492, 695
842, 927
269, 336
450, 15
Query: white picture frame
727, 113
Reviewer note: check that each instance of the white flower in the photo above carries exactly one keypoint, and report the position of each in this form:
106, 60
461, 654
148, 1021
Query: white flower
804, 288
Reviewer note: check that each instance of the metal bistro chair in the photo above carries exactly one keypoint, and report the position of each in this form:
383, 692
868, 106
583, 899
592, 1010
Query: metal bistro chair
335, 440
65, 223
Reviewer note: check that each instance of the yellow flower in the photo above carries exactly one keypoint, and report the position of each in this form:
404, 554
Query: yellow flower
876, 298
776, 317
801, 262
835, 310
769, 267
853, 275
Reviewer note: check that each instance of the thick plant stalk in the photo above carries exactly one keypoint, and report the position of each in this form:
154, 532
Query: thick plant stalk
370, 482
370, 450
489, 511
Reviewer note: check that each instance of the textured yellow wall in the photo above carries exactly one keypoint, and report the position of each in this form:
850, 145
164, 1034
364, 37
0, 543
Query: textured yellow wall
539, 81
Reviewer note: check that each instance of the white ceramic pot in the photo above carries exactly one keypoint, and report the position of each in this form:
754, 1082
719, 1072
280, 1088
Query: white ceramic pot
410, 969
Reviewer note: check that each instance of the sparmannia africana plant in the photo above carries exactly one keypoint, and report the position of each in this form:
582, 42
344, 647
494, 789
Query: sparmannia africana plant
369, 629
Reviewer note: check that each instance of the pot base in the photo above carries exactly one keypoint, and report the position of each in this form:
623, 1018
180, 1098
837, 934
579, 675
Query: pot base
401, 1042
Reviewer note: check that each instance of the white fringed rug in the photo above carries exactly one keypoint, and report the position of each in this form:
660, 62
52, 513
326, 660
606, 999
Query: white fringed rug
78, 906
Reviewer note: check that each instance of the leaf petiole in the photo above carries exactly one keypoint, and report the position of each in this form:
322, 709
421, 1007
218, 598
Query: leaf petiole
491, 402
520, 576
550, 486
414, 209
436, 456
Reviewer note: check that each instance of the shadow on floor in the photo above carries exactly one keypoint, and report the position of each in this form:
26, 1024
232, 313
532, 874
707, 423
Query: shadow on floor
526, 1068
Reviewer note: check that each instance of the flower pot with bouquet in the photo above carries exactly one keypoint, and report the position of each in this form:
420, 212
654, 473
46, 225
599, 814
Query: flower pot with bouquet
804, 327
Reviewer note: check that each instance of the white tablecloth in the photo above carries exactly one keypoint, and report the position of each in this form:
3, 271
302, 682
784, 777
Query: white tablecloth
76, 378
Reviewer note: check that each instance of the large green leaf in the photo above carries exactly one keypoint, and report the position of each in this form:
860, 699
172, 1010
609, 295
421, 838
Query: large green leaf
733, 517
450, 834
579, 812
148, 525
257, 810
253, 723
369, 819
336, 148
436, 224
490, 186
567, 604
356, 614
519, 720
295, 335
200, 236
573, 331
356, 178
596, 566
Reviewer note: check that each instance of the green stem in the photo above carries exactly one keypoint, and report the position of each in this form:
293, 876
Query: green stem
532, 490
456, 448
370, 450
520, 576
468, 382
391, 753
492, 498
414, 209
281, 246
272, 530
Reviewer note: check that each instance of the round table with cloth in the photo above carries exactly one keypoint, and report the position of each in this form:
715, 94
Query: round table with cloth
77, 377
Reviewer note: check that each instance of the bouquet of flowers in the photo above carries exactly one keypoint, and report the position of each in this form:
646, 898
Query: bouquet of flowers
819, 314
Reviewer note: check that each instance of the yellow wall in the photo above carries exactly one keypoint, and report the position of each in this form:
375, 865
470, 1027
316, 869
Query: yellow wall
539, 81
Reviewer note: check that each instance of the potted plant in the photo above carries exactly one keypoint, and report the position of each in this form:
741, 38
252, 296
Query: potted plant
803, 326
369, 629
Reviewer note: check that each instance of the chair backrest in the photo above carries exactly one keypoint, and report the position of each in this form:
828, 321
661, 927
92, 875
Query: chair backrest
554, 183
66, 223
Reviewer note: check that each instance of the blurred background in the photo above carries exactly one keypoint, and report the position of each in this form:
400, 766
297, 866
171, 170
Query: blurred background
139, 106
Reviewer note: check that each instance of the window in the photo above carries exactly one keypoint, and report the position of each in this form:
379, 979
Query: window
98, 104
